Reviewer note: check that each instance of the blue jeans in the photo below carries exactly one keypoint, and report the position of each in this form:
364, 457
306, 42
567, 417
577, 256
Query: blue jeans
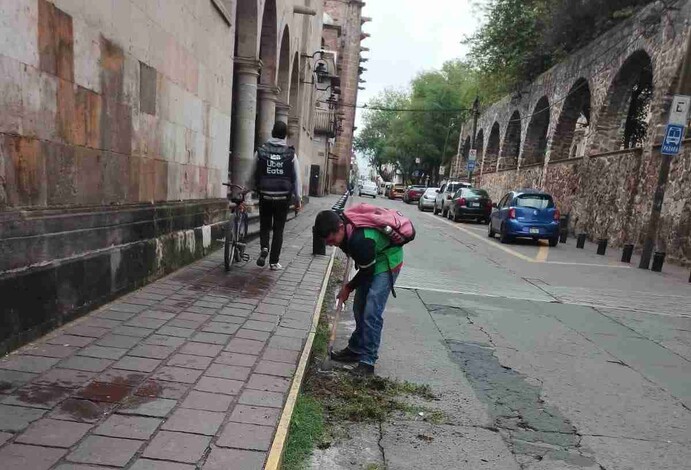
368, 308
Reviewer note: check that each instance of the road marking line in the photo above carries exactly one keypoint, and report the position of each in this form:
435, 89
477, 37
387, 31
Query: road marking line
538, 259
558, 301
273, 461
542, 254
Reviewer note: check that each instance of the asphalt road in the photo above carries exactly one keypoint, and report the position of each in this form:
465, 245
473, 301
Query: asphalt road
543, 358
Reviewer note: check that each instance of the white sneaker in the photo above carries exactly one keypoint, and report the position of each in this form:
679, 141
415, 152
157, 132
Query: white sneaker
276, 266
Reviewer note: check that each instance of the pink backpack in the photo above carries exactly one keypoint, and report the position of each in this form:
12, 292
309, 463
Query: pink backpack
391, 223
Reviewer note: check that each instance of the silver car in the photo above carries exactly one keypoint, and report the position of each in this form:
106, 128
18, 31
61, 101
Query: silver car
426, 201
445, 194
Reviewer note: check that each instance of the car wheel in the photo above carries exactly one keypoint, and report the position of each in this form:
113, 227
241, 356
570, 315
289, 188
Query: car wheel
490, 232
434, 209
444, 212
554, 241
504, 236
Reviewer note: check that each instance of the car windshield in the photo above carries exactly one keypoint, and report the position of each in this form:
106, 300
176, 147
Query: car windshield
535, 201
431, 191
416, 187
475, 193
369, 185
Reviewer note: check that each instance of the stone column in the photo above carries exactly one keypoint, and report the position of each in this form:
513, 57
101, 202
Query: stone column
294, 131
268, 95
244, 119
282, 112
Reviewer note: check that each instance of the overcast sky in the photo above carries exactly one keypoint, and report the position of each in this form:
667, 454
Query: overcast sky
409, 36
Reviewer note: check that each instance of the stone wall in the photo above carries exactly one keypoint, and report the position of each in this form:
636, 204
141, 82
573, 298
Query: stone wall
348, 15
582, 104
115, 134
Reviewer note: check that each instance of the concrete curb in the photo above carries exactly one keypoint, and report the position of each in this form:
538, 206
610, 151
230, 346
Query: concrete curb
273, 461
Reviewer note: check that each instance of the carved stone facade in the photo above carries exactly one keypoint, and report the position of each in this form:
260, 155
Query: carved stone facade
566, 133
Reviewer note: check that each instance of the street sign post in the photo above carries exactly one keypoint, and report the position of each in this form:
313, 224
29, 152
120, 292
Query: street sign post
674, 134
679, 113
472, 155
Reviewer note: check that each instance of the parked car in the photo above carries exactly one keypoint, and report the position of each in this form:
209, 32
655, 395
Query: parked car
525, 214
369, 188
382, 187
470, 203
426, 202
396, 191
446, 192
387, 189
413, 193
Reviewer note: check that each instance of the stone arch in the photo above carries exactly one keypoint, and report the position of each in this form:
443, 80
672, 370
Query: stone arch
247, 27
623, 120
492, 151
511, 147
535, 145
574, 121
283, 78
268, 43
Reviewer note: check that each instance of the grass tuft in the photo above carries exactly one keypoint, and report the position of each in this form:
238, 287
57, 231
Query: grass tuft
306, 431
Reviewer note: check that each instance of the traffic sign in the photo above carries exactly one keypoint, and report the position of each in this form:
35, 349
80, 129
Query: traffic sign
472, 155
679, 112
673, 137
471, 165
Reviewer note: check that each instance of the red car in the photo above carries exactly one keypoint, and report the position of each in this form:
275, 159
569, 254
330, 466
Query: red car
413, 193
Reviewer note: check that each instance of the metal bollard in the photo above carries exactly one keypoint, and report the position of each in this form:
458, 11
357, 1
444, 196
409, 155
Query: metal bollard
580, 242
318, 244
602, 246
627, 253
563, 228
658, 261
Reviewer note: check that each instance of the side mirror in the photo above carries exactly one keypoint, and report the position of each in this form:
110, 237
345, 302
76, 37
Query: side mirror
448, 197
436, 191
494, 204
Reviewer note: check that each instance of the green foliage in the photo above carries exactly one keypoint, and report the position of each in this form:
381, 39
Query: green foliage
520, 39
398, 137
306, 431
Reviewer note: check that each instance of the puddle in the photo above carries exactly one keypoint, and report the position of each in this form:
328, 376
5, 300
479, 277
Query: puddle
105, 392
530, 426
40, 397
82, 410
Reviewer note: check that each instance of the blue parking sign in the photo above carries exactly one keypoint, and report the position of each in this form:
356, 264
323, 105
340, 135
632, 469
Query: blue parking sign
674, 134
471, 165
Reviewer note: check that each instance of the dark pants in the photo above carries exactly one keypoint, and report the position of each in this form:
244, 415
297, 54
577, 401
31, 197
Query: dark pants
272, 216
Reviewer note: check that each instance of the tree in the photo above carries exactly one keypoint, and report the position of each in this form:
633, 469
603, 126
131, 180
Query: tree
521, 39
420, 123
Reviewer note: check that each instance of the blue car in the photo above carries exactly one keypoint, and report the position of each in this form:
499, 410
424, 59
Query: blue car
525, 214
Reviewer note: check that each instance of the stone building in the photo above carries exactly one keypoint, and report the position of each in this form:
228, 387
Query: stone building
589, 132
119, 122
343, 34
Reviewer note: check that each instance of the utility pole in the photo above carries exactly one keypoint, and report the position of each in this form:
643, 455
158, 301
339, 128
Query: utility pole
683, 88
476, 114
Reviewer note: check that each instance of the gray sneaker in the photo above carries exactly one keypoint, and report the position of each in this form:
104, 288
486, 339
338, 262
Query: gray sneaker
261, 261
276, 266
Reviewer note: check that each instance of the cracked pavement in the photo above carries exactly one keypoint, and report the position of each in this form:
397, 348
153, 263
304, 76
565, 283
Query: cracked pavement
578, 363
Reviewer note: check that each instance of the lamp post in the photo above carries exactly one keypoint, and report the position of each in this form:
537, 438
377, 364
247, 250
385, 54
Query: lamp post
473, 144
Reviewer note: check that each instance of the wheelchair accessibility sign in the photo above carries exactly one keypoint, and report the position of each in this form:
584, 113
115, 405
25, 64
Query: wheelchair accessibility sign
674, 134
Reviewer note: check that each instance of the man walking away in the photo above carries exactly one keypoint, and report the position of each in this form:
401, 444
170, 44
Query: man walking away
277, 179
378, 262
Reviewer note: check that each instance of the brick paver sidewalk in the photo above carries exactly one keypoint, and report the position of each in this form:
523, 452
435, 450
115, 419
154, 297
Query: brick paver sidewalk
190, 372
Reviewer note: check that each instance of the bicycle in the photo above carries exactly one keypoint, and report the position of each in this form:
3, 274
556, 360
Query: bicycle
236, 228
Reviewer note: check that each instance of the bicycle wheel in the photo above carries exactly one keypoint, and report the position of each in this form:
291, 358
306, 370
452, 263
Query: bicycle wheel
240, 235
229, 245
